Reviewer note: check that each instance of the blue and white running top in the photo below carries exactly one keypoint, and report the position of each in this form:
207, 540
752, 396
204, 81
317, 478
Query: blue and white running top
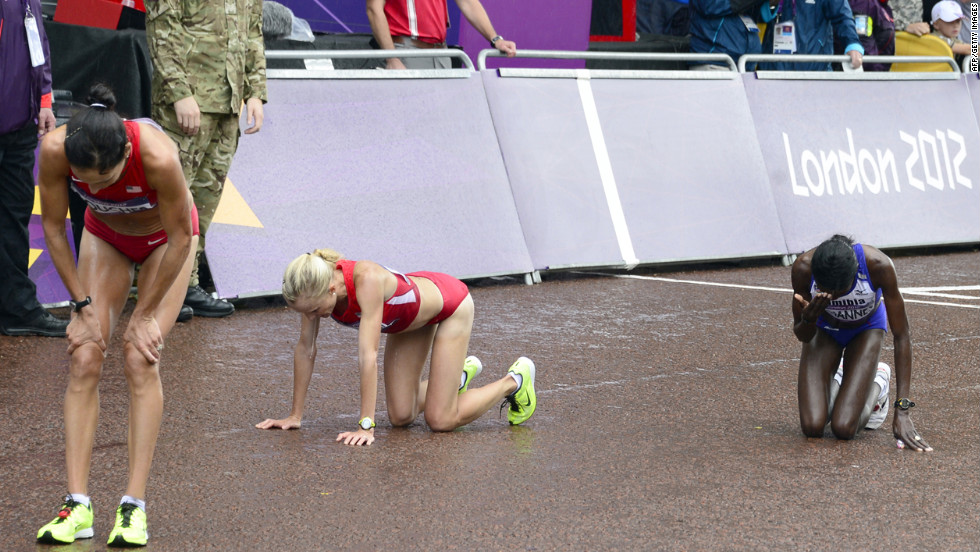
858, 305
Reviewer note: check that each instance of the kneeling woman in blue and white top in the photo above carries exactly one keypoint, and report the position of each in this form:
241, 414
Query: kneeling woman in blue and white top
845, 297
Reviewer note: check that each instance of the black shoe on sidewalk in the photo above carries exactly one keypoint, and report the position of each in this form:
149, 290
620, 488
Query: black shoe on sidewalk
205, 305
185, 314
45, 324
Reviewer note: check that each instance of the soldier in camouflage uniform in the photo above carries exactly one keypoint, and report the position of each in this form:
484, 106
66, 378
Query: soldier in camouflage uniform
908, 16
208, 58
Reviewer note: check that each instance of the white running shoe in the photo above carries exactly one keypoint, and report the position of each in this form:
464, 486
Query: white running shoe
880, 412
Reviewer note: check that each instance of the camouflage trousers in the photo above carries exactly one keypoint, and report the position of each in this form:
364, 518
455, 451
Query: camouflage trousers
206, 158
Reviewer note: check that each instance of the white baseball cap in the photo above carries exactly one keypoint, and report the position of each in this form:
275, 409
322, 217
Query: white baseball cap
948, 11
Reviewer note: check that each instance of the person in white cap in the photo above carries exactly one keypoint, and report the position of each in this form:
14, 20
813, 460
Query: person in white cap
947, 18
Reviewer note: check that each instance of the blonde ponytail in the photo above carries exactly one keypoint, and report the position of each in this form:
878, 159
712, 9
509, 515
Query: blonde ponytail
309, 275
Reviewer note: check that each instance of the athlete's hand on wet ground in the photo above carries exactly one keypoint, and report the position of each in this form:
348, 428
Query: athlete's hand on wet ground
286, 423
84, 328
814, 308
905, 431
144, 334
359, 437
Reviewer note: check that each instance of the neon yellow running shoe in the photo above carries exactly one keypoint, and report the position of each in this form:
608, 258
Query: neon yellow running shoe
74, 521
523, 401
130, 528
472, 368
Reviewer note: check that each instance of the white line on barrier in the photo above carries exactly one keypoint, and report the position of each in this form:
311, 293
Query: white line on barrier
780, 290
606, 174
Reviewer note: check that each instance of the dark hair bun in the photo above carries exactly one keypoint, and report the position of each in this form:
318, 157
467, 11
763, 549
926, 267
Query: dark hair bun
100, 93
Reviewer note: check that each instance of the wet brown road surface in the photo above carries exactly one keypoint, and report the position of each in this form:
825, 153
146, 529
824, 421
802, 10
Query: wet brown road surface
666, 419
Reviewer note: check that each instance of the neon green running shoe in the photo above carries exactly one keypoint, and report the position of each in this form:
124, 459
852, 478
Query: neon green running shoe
472, 368
130, 528
523, 401
74, 521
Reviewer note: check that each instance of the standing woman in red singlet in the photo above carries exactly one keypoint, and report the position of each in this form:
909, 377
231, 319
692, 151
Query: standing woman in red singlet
139, 212
845, 297
420, 312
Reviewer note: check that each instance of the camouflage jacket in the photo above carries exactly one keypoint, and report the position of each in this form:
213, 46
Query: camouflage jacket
905, 12
211, 49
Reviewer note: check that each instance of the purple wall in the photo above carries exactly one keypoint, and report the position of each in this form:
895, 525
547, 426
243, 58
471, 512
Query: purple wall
532, 24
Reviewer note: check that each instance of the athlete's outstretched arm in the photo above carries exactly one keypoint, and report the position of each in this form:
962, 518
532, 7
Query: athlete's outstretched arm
883, 275
53, 189
369, 281
304, 357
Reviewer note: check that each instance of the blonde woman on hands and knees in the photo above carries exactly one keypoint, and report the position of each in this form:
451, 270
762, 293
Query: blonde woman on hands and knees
422, 313
139, 212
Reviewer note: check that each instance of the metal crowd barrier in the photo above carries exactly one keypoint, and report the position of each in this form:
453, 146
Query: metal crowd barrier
848, 73
731, 73
369, 73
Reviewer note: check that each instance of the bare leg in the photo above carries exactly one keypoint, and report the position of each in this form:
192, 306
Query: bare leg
405, 355
445, 408
145, 389
107, 275
818, 363
858, 390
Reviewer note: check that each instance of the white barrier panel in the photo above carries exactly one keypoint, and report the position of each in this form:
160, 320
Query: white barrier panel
403, 172
619, 172
689, 169
973, 83
891, 163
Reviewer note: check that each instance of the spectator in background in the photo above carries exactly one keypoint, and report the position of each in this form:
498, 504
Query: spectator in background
208, 58
908, 16
965, 27
875, 29
809, 27
25, 97
947, 20
725, 27
663, 17
422, 24
964, 5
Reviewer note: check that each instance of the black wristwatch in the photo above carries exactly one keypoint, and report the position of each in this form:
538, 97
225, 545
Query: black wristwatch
77, 306
493, 41
904, 404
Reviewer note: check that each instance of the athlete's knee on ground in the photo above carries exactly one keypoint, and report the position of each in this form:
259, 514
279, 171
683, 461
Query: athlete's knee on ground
401, 418
812, 429
445, 421
813, 423
844, 429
